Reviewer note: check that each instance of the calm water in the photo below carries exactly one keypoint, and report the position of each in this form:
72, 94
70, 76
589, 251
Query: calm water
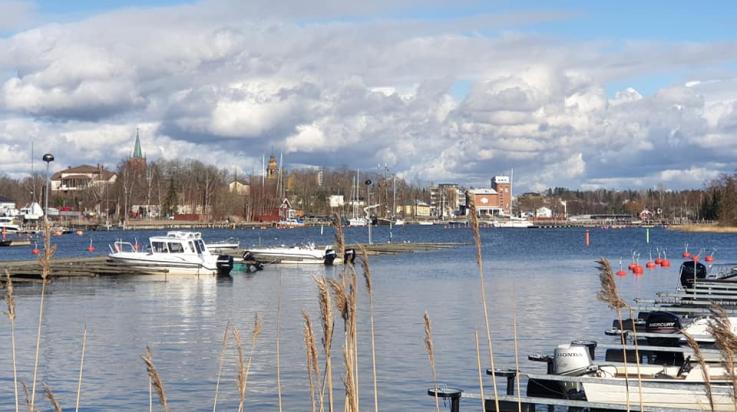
548, 275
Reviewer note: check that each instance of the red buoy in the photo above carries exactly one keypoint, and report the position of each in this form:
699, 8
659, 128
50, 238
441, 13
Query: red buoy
686, 254
638, 270
621, 272
665, 263
36, 251
658, 260
709, 258
650, 264
695, 258
90, 248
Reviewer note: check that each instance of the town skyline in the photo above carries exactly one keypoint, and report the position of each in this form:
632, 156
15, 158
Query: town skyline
572, 94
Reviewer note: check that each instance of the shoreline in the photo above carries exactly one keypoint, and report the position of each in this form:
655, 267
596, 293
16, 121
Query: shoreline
703, 228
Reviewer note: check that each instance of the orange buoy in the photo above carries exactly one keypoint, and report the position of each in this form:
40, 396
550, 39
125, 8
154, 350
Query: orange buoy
621, 272
638, 270
695, 258
709, 258
665, 263
35, 249
90, 248
650, 264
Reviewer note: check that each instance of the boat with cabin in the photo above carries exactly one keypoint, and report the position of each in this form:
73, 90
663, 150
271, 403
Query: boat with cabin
179, 252
8, 225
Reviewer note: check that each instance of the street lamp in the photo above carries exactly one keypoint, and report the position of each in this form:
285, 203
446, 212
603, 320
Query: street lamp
48, 158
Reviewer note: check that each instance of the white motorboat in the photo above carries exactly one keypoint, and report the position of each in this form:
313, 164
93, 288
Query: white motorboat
7, 225
513, 223
296, 254
180, 253
357, 221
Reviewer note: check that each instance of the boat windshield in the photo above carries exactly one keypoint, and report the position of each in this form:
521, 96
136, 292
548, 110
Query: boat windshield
175, 247
159, 247
200, 246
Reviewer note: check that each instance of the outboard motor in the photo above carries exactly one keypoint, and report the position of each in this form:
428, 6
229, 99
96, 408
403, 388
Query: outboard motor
665, 323
572, 359
330, 256
224, 265
691, 271
349, 256
248, 256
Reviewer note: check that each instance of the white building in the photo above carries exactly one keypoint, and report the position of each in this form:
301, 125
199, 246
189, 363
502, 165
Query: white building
544, 212
336, 201
81, 178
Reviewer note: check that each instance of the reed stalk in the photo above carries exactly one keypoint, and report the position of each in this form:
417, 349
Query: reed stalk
326, 315
81, 368
431, 355
481, 376
278, 339
155, 379
721, 329
637, 356
476, 232
313, 367
29, 407
610, 295
52, 400
516, 357
221, 361
45, 262
243, 373
345, 304
369, 287
10, 301
702, 363
339, 236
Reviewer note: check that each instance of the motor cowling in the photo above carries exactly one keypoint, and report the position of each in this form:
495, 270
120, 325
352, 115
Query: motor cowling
329, 257
571, 359
665, 323
691, 271
224, 264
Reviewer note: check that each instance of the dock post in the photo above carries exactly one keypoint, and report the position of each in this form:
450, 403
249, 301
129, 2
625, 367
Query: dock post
448, 393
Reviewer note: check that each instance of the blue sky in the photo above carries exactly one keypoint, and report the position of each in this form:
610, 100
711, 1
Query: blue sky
438, 91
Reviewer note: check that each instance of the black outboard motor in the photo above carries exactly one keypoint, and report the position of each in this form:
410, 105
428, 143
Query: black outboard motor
688, 269
224, 265
330, 256
665, 323
248, 256
349, 256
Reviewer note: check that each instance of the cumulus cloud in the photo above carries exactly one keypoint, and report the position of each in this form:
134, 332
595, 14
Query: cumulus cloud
237, 80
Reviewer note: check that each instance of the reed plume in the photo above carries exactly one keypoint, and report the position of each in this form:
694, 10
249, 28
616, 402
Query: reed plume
81, 367
476, 232
516, 356
45, 262
431, 355
155, 379
313, 367
481, 376
637, 356
221, 361
326, 314
344, 301
339, 236
369, 287
702, 363
610, 295
10, 301
720, 328
52, 400
29, 406
241, 377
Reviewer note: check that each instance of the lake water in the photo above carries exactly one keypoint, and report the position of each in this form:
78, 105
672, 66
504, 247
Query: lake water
547, 275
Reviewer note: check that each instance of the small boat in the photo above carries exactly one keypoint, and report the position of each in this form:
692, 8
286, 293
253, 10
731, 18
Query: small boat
15, 242
180, 253
7, 225
357, 221
230, 243
513, 223
425, 222
296, 254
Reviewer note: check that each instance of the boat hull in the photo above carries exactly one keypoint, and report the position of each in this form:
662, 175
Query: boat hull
663, 394
172, 267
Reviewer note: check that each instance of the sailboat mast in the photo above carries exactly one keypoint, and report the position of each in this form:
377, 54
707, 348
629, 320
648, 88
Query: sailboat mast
511, 191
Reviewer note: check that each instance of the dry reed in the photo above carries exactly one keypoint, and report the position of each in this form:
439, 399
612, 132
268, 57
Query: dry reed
29, 406
155, 379
431, 355
481, 376
610, 295
344, 295
637, 356
516, 356
339, 236
243, 373
369, 287
721, 329
241, 377
10, 301
45, 262
278, 346
702, 363
326, 314
81, 368
476, 232
313, 367
221, 361
52, 400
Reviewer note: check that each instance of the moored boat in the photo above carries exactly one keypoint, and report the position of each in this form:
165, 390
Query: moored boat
180, 253
296, 254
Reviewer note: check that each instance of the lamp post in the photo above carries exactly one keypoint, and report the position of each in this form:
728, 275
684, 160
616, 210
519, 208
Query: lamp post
48, 158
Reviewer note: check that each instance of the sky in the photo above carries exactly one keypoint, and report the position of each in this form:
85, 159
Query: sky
576, 94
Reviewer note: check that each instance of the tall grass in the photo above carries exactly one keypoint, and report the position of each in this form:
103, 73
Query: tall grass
481, 376
369, 288
475, 231
52, 399
313, 366
702, 363
221, 361
278, 346
45, 262
10, 301
243, 371
326, 315
155, 378
81, 368
720, 328
431, 356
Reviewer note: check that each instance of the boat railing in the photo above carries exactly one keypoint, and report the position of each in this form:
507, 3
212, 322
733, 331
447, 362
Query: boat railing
120, 246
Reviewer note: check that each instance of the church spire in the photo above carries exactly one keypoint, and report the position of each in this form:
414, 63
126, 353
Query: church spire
137, 152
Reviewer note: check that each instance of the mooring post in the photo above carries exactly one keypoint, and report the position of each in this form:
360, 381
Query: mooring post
448, 393
510, 374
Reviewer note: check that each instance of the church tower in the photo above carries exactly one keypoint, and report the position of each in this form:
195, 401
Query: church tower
272, 170
137, 160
